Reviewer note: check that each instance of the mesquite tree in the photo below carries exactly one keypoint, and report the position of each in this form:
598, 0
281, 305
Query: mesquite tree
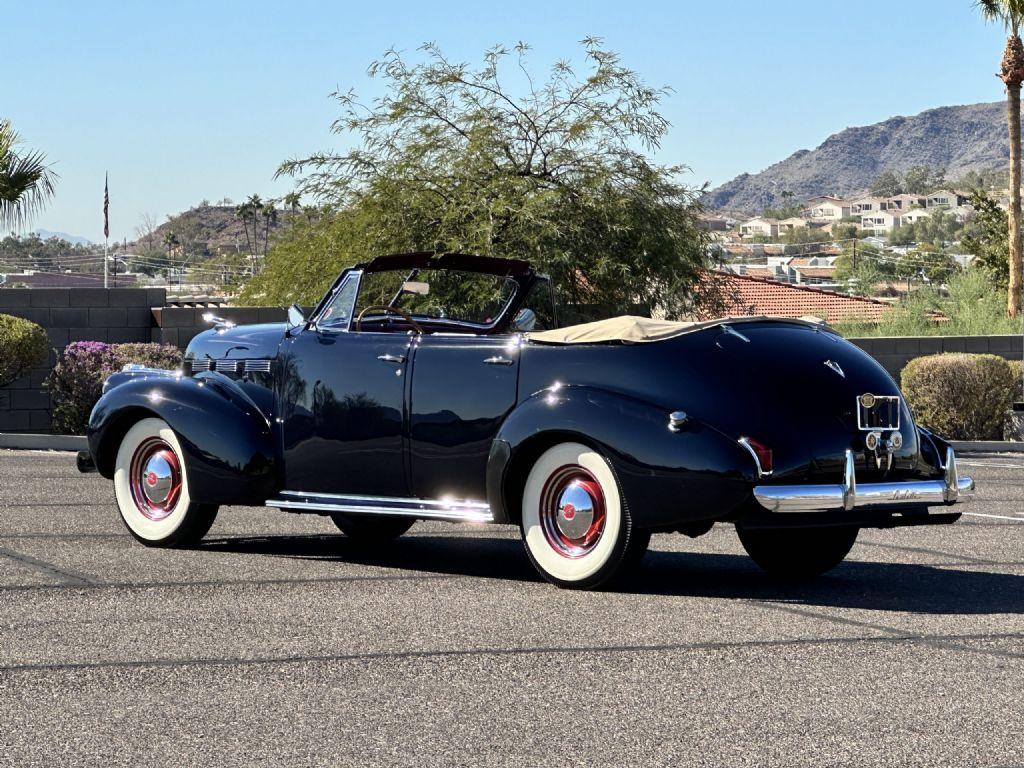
489, 160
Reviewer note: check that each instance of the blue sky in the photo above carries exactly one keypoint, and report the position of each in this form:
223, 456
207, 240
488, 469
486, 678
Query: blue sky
190, 100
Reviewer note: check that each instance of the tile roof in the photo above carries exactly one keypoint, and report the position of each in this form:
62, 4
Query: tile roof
759, 296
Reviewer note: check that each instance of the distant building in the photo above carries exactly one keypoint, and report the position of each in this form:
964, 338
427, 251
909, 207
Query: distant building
947, 198
829, 210
880, 222
759, 226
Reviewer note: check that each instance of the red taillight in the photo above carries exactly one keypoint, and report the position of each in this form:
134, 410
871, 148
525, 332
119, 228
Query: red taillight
762, 452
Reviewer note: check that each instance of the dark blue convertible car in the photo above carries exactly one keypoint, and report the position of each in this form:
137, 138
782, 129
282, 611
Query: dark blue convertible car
439, 387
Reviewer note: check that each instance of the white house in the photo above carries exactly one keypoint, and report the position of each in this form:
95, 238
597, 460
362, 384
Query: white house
830, 209
759, 225
794, 222
915, 215
880, 222
865, 204
906, 202
948, 198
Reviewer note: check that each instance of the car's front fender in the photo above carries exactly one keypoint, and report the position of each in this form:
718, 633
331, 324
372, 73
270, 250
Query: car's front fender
228, 444
667, 477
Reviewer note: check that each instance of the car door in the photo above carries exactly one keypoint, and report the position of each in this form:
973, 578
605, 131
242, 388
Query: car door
343, 398
463, 386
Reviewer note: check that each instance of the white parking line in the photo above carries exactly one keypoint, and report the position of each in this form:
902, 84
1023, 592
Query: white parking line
962, 463
997, 517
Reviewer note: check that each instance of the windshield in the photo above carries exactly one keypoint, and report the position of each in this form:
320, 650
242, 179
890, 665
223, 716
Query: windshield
466, 297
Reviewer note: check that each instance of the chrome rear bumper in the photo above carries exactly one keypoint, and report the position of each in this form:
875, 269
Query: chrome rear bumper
849, 496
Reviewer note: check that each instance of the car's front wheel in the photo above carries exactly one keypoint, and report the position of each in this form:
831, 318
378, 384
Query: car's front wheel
797, 553
152, 490
577, 530
372, 530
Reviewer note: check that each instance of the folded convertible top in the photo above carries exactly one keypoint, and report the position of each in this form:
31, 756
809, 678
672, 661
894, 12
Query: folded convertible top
640, 330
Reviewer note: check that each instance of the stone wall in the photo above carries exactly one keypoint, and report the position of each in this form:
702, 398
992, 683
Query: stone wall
895, 353
70, 314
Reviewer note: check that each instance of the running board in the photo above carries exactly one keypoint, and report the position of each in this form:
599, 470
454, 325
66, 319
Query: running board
427, 509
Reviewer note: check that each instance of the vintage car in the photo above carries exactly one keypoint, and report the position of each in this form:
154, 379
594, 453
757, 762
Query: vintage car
439, 387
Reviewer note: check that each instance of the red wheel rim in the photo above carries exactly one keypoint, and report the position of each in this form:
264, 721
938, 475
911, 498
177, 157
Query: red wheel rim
154, 477
572, 511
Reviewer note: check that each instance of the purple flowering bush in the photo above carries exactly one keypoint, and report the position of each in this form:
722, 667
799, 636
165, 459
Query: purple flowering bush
76, 382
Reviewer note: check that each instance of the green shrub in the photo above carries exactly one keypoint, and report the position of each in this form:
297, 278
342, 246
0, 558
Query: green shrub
960, 396
1018, 374
76, 382
23, 344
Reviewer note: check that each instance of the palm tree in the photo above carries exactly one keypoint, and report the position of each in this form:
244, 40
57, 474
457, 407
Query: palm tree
26, 182
1011, 14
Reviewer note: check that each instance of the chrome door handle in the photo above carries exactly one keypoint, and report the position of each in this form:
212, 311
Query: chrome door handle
498, 360
391, 358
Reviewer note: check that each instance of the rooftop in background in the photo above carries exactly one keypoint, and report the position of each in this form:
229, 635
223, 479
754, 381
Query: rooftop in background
759, 296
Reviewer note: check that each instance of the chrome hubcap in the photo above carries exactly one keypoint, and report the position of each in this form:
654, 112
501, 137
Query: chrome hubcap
572, 511
154, 478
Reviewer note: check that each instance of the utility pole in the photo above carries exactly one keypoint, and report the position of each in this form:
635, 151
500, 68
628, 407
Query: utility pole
855, 254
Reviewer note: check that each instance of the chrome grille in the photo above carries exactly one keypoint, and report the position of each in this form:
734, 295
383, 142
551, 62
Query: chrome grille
200, 365
261, 366
228, 366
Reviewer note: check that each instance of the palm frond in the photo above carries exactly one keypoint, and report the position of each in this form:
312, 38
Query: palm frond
1010, 13
26, 181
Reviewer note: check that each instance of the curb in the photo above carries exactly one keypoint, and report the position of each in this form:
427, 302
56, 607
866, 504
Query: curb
30, 442
987, 446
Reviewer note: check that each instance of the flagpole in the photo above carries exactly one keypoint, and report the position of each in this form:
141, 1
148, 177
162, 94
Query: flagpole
106, 230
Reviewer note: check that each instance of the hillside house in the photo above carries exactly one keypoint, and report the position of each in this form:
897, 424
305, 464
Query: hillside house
794, 222
916, 215
880, 222
947, 198
759, 226
866, 205
906, 202
830, 210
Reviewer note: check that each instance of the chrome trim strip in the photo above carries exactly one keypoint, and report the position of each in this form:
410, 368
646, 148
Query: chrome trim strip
757, 462
732, 331
849, 495
432, 509
261, 366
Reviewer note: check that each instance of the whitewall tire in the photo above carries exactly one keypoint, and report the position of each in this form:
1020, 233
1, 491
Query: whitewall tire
152, 490
577, 531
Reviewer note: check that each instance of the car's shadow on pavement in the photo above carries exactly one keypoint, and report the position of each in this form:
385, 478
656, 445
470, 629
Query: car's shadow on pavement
903, 587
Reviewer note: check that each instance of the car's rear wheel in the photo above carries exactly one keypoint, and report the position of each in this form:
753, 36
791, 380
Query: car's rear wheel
152, 490
576, 528
372, 530
797, 553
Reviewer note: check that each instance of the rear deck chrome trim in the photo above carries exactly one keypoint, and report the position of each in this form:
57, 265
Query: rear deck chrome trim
848, 495
427, 509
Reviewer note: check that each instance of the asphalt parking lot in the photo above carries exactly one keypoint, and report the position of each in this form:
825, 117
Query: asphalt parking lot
278, 643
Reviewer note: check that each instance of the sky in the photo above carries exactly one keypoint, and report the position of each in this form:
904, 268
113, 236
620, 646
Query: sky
184, 101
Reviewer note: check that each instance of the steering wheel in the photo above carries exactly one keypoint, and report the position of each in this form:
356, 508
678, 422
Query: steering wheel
387, 308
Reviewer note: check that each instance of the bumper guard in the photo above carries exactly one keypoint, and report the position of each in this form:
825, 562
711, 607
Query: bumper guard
848, 496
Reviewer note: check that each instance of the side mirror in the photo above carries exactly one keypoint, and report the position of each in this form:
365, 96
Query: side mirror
524, 321
296, 318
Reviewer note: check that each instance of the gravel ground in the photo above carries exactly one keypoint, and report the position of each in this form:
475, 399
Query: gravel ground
277, 642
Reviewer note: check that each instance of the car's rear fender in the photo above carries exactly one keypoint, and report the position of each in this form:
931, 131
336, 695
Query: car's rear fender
667, 477
228, 444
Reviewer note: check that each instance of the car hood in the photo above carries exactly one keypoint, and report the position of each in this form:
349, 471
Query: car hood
241, 342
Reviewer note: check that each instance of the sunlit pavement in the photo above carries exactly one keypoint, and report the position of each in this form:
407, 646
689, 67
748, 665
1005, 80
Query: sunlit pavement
277, 642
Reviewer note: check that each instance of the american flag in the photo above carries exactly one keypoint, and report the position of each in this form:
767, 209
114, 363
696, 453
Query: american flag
106, 207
